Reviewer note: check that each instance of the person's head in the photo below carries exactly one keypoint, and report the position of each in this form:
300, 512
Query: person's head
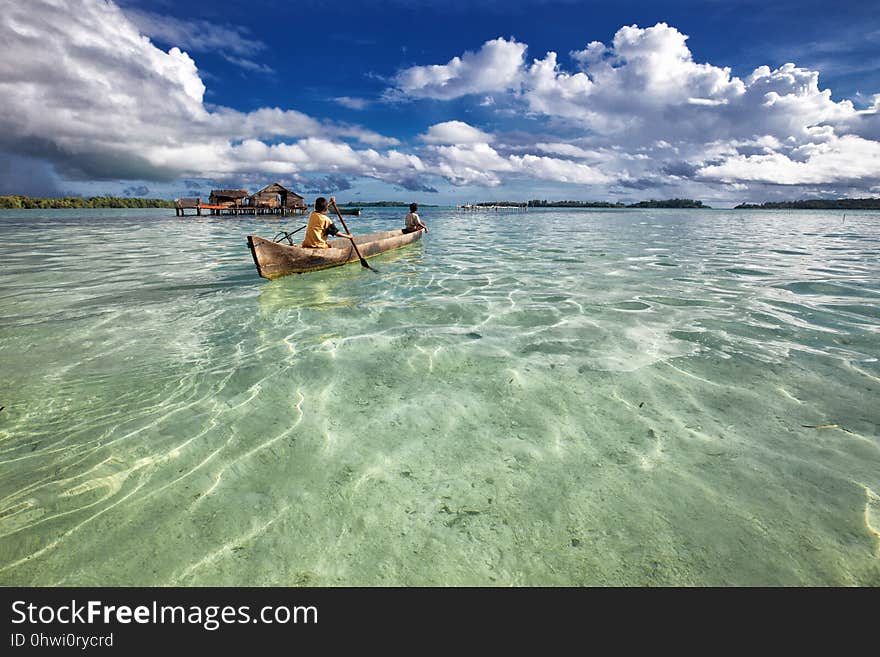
320, 204
413, 207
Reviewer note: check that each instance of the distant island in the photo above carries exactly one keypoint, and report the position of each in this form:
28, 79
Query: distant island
816, 204
681, 203
382, 204
76, 202
684, 203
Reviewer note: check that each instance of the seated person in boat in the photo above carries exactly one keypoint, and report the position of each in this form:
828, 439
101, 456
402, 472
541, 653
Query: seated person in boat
320, 227
413, 223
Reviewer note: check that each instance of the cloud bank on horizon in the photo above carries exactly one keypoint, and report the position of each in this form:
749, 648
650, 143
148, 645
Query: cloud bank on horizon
86, 90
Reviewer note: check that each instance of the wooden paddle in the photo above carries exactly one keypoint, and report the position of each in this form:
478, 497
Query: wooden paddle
364, 263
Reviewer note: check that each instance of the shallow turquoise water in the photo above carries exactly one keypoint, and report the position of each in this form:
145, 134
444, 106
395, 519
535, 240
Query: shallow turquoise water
550, 398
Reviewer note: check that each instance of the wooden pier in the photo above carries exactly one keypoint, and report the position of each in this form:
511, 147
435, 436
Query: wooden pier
180, 208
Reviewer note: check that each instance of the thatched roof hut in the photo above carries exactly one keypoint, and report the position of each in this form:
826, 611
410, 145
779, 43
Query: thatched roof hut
227, 196
183, 204
187, 203
277, 195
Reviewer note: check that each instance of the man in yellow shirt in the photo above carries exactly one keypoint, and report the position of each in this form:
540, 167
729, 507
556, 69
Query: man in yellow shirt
320, 227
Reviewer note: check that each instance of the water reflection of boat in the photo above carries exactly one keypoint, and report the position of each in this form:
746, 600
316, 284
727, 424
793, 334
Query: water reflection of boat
318, 293
274, 260
333, 289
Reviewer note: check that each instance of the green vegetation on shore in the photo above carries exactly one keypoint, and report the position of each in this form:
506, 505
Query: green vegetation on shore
816, 204
75, 202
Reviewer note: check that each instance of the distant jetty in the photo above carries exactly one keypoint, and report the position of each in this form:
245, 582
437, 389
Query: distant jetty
494, 207
816, 204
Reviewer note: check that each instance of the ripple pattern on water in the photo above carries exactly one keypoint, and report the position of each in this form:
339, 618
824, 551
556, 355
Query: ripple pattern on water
659, 398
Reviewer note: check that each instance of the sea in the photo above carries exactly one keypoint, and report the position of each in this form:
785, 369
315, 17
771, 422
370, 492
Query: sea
558, 397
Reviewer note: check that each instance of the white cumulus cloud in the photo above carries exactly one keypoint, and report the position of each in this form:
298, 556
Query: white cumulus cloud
643, 105
82, 87
495, 67
454, 132
838, 160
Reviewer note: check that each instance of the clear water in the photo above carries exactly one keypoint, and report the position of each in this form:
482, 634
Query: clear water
550, 398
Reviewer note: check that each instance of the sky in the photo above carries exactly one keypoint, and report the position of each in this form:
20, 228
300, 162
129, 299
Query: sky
442, 101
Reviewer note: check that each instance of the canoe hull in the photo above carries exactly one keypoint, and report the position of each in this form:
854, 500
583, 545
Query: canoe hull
274, 260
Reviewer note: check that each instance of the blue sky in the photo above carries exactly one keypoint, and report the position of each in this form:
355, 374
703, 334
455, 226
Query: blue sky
443, 102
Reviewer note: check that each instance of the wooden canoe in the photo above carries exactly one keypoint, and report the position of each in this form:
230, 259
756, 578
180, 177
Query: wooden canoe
274, 260
355, 211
